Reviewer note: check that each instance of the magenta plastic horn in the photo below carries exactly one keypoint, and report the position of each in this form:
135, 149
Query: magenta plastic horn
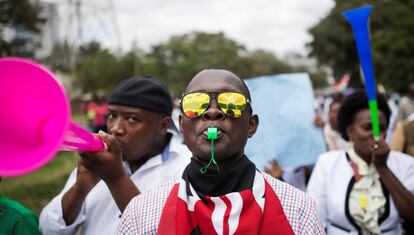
35, 119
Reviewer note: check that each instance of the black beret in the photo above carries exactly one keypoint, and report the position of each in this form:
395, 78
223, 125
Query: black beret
146, 93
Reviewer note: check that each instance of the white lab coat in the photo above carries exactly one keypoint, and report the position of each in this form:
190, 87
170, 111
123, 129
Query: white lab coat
330, 183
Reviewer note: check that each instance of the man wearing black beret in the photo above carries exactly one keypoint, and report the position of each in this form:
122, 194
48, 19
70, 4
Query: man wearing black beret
141, 155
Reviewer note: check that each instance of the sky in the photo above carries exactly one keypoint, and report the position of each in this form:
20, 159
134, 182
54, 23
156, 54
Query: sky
276, 25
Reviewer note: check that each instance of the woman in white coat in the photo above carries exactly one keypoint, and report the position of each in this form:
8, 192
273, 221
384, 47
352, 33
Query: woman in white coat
367, 189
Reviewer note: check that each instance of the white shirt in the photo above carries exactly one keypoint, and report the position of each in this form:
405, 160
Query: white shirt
100, 214
329, 185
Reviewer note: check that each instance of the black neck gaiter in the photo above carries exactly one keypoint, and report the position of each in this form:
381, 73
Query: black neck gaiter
235, 179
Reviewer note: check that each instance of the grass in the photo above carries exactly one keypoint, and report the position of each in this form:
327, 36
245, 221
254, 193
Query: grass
35, 190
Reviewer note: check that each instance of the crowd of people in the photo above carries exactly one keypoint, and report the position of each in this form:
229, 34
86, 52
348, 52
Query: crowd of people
155, 177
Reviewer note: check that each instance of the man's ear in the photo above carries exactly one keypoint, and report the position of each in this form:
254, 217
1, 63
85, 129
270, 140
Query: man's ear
253, 124
165, 124
180, 119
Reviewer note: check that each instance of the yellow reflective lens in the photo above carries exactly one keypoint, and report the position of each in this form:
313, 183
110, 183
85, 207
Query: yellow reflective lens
232, 104
194, 104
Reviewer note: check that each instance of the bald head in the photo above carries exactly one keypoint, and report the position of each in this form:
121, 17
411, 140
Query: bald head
217, 80
233, 132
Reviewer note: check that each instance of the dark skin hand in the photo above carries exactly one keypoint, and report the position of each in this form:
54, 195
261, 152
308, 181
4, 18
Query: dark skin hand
105, 165
275, 170
403, 199
318, 121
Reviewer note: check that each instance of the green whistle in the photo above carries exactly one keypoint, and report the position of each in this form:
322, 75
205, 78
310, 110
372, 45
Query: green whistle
212, 133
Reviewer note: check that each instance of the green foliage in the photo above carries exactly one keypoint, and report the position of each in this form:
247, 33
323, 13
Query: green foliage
392, 47
99, 69
59, 59
262, 62
178, 60
318, 78
22, 18
174, 62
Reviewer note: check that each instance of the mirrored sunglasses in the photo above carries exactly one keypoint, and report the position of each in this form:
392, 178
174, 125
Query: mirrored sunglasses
233, 104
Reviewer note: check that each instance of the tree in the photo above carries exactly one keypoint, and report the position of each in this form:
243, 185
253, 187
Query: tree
59, 58
392, 47
99, 69
178, 60
19, 20
260, 62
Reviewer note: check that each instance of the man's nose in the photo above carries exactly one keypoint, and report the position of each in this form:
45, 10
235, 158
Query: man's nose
213, 112
117, 127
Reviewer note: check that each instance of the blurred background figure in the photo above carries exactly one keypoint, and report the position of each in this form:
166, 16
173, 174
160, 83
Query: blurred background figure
392, 101
333, 138
406, 105
96, 112
403, 137
367, 189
